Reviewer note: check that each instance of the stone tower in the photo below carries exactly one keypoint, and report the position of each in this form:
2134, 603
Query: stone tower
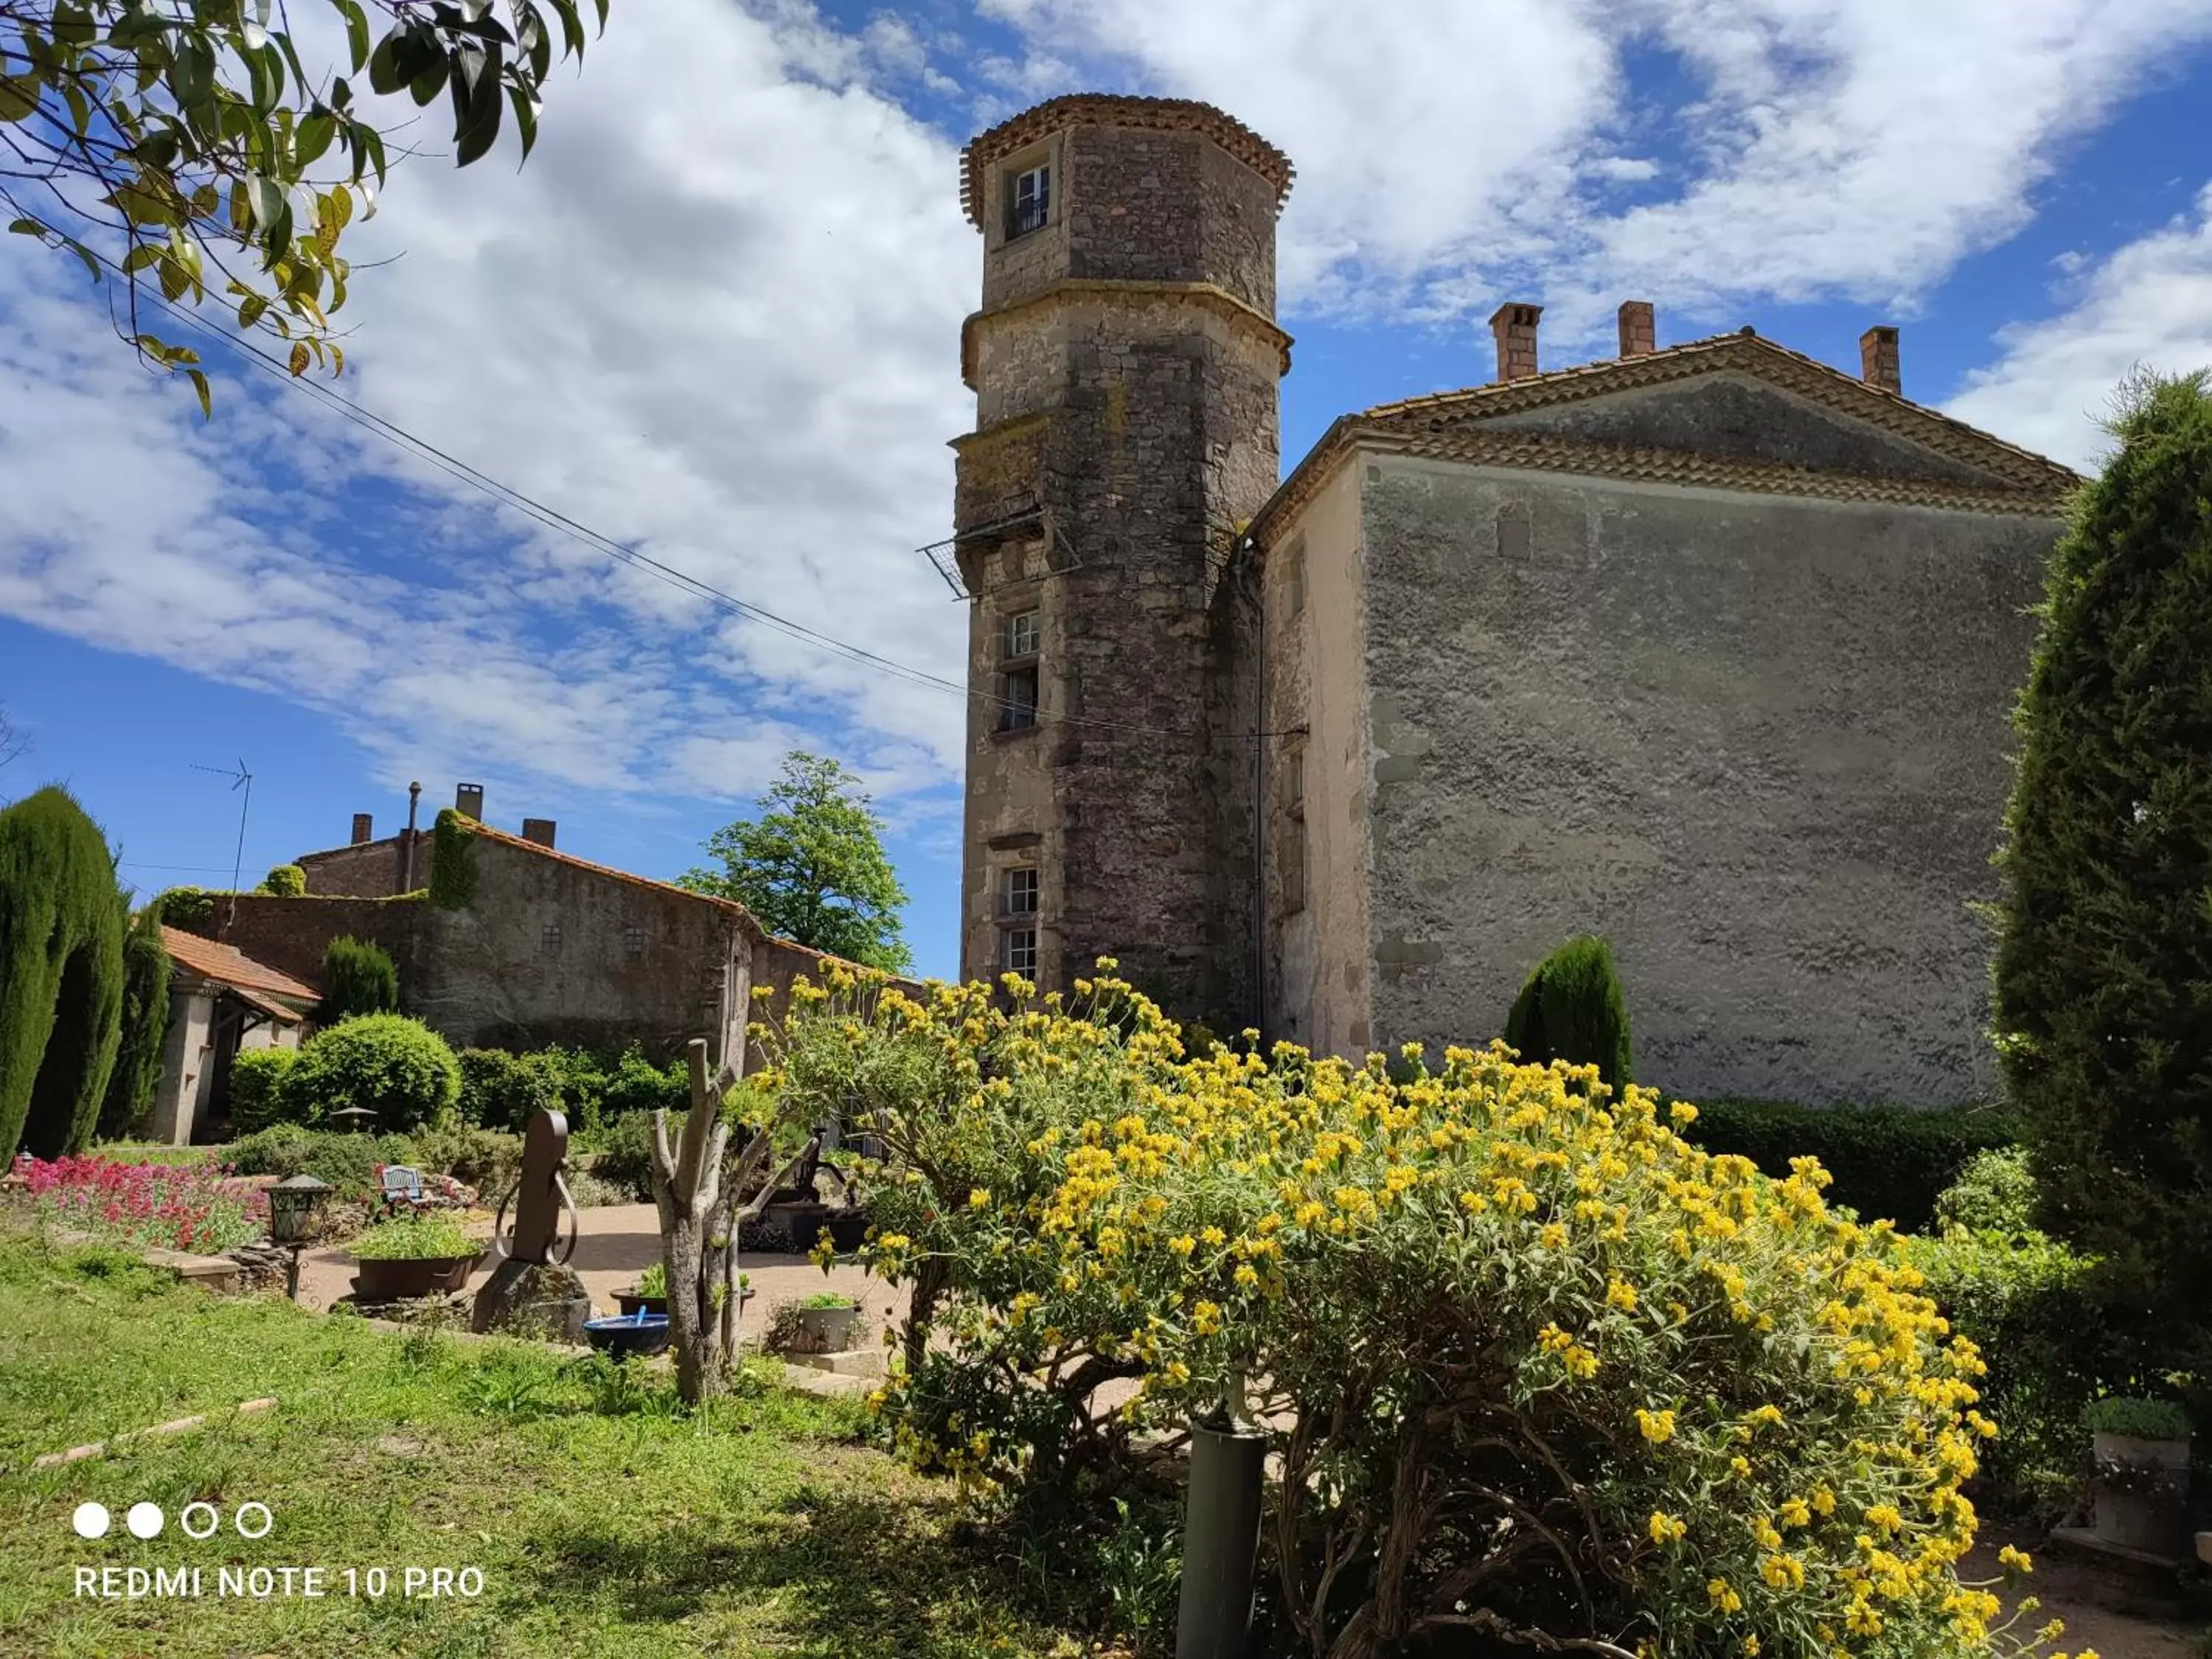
1125, 362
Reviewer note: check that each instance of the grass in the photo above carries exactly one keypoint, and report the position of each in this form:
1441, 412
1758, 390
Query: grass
605, 1517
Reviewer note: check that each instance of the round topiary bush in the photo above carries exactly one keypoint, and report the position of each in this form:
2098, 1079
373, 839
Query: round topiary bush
1536, 1372
398, 1068
258, 1095
285, 881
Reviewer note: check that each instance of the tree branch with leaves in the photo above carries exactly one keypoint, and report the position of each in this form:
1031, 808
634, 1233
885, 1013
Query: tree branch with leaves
184, 143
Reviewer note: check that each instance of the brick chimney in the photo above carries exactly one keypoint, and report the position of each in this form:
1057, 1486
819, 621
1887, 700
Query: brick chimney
1513, 327
1639, 331
1878, 365
364, 827
539, 831
468, 800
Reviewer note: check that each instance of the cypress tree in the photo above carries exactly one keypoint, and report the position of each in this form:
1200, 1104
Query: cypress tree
62, 920
1571, 1008
358, 978
145, 1025
2102, 980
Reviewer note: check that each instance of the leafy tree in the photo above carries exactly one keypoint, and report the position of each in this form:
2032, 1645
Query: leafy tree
145, 1025
358, 978
1572, 1009
61, 974
185, 141
284, 881
813, 867
2103, 975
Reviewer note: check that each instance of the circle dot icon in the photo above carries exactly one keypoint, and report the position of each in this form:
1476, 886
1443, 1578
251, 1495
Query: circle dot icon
144, 1520
90, 1521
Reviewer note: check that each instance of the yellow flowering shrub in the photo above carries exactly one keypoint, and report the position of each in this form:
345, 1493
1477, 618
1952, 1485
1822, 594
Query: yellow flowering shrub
1531, 1362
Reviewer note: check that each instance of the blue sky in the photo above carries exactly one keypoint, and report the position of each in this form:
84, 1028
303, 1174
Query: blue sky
717, 316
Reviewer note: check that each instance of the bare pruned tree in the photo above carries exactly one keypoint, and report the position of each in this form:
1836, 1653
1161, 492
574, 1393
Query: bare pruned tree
15, 742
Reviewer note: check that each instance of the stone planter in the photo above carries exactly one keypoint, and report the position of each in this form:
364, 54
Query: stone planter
2143, 1494
399, 1280
822, 1330
630, 1302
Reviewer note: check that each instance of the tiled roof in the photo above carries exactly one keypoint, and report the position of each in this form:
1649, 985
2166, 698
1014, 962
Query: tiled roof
226, 964
730, 907
1111, 110
1451, 425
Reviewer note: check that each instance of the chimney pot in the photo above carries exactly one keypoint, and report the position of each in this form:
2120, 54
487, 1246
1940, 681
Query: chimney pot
1878, 361
364, 827
1513, 326
1639, 330
468, 800
539, 831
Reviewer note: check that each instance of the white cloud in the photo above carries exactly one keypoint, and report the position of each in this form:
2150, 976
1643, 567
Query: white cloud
2150, 303
715, 317
1857, 148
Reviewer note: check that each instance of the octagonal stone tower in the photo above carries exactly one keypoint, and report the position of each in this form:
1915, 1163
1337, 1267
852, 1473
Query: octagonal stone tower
1125, 363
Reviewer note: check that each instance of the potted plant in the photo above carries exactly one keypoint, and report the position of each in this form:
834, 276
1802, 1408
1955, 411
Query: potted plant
412, 1255
650, 1294
821, 1324
2141, 1473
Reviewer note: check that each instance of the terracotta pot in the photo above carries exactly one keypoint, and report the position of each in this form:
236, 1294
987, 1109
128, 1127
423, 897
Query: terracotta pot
397, 1280
2152, 1515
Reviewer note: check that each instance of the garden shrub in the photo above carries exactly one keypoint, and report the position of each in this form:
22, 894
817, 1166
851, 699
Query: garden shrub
1995, 1193
284, 881
1534, 1368
2105, 938
399, 1068
258, 1094
485, 1159
635, 1084
625, 1159
62, 922
145, 1018
348, 1162
1572, 1009
1886, 1161
358, 978
501, 1091
188, 909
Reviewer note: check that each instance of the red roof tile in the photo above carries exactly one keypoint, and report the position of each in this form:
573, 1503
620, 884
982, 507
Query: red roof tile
226, 964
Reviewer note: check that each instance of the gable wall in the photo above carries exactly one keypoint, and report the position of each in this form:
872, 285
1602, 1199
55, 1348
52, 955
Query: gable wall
1757, 742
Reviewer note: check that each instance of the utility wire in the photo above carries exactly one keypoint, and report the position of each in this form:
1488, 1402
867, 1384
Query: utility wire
553, 518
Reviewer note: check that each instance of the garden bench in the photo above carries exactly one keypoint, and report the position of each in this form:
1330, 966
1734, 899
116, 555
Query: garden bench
403, 1188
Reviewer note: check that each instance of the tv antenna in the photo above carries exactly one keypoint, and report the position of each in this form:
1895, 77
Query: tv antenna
240, 780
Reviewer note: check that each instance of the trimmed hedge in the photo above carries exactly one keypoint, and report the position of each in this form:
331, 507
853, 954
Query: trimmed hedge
1888, 1160
348, 1162
258, 1096
501, 1091
1572, 1009
358, 978
62, 922
399, 1068
145, 1025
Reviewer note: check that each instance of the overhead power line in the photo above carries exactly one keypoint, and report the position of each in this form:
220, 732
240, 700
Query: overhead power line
623, 552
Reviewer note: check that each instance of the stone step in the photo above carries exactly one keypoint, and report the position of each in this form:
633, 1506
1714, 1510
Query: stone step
210, 1272
853, 1362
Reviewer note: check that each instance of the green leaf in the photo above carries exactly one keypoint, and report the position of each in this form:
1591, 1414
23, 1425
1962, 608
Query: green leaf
268, 76
200, 384
280, 234
526, 117
357, 27
25, 227
299, 361
264, 199
141, 255
191, 79
250, 309
313, 139
91, 260
572, 28
384, 76
143, 206
175, 278
19, 97
427, 84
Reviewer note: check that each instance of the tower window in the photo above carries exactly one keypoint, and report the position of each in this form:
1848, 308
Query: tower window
1029, 202
1020, 895
548, 940
1017, 700
1022, 634
1021, 949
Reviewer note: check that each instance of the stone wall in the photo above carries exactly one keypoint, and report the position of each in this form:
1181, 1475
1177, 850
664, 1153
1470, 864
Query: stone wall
371, 869
1758, 743
290, 934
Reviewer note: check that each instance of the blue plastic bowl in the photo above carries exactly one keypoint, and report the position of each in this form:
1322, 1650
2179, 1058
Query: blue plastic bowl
639, 1333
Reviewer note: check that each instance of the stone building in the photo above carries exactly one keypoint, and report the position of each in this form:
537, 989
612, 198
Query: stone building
1708, 649
223, 1003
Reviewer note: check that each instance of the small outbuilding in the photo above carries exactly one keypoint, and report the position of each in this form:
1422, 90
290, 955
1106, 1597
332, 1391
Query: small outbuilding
221, 1001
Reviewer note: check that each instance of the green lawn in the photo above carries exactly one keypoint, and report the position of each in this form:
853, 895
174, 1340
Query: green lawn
604, 1519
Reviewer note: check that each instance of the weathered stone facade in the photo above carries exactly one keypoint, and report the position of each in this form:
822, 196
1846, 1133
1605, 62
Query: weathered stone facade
1125, 364
1709, 649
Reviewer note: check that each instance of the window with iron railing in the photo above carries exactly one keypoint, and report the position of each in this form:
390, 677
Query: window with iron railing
1029, 202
